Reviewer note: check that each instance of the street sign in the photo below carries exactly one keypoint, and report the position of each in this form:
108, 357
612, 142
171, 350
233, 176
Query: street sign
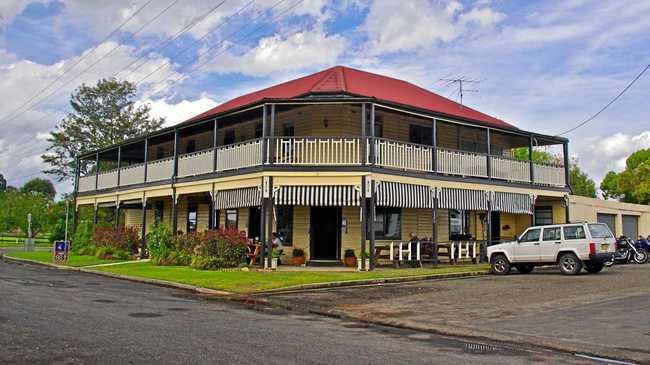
61, 251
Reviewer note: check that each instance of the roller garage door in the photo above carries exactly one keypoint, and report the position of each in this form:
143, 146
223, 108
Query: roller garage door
631, 226
608, 219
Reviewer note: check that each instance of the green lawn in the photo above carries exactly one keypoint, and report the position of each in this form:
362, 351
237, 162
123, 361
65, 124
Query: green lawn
247, 282
46, 256
8, 241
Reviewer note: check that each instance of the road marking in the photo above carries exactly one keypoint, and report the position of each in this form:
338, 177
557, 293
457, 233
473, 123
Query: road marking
605, 360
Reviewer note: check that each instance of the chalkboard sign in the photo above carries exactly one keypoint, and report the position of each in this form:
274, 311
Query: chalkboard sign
61, 251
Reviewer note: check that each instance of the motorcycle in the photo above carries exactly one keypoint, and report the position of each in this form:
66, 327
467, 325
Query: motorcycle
627, 252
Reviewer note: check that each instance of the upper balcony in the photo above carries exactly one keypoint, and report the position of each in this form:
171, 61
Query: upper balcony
329, 136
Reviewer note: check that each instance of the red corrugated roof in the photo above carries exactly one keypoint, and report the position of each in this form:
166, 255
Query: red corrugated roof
345, 80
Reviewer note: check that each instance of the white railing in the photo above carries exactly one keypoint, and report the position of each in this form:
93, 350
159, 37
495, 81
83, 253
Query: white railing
196, 163
549, 175
401, 155
240, 155
160, 169
509, 169
132, 175
461, 163
107, 179
317, 151
86, 183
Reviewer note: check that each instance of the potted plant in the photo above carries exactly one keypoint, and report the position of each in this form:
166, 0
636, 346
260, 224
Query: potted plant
349, 258
298, 257
365, 258
275, 255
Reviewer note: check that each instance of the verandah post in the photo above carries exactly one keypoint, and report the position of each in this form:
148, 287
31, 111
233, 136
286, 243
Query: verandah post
530, 160
364, 221
215, 138
143, 233
373, 151
174, 212
489, 153
371, 224
434, 144
364, 139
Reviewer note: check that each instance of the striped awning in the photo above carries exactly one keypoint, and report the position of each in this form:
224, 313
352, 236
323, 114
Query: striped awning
318, 195
462, 199
400, 195
513, 203
238, 198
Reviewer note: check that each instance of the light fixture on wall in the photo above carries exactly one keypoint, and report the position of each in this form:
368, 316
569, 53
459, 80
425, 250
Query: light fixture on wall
326, 123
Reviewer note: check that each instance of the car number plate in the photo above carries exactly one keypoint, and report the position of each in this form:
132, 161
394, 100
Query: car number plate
604, 247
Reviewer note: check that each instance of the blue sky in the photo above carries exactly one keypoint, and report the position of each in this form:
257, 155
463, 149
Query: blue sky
544, 66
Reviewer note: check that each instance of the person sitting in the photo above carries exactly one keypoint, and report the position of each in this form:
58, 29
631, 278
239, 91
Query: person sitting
276, 244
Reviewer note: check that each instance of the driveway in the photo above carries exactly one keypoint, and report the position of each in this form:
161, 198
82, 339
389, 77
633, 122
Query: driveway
606, 314
50, 316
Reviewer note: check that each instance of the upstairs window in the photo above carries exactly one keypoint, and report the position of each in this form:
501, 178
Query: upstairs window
420, 134
229, 137
258, 130
191, 146
288, 130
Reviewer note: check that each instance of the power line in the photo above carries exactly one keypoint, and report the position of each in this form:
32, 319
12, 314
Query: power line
99, 60
198, 66
608, 104
163, 45
114, 31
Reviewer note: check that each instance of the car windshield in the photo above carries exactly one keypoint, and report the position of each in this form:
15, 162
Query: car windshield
600, 231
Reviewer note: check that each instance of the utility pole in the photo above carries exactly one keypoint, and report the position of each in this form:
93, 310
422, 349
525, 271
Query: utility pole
461, 89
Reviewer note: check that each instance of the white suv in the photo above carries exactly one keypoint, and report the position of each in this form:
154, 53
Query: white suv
571, 246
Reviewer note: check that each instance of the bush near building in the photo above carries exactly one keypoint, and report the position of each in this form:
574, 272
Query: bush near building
208, 250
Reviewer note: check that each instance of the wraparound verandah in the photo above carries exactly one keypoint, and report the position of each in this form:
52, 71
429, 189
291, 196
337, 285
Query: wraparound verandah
323, 215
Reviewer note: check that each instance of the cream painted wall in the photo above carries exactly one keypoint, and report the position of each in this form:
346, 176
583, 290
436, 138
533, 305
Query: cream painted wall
583, 208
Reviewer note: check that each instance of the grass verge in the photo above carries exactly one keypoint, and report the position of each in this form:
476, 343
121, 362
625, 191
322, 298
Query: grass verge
256, 281
46, 256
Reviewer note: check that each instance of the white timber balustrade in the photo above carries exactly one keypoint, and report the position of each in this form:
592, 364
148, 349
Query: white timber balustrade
549, 175
239, 155
401, 155
107, 179
196, 163
510, 169
87, 183
132, 175
317, 151
162, 169
461, 163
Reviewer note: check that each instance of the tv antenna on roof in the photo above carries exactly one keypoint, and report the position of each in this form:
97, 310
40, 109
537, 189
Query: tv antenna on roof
460, 81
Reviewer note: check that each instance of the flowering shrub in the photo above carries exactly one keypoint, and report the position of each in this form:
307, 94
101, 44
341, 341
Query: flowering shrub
162, 247
217, 249
125, 239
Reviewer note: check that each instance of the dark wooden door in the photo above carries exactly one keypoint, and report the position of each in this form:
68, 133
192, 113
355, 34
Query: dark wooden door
496, 226
325, 233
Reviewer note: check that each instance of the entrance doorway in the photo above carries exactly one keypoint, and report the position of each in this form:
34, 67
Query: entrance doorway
496, 226
254, 222
325, 233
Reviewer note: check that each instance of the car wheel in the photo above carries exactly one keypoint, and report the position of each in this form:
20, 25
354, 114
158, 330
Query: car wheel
593, 267
500, 265
569, 264
525, 269
641, 257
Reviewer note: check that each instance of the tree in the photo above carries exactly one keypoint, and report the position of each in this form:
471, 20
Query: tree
101, 115
15, 206
38, 186
609, 186
581, 184
522, 154
3, 183
631, 185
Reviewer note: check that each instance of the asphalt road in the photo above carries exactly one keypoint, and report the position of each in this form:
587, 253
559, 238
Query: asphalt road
607, 314
63, 317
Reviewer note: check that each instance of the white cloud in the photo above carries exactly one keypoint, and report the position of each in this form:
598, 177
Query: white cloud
394, 26
600, 154
181, 111
277, 53
9, 9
